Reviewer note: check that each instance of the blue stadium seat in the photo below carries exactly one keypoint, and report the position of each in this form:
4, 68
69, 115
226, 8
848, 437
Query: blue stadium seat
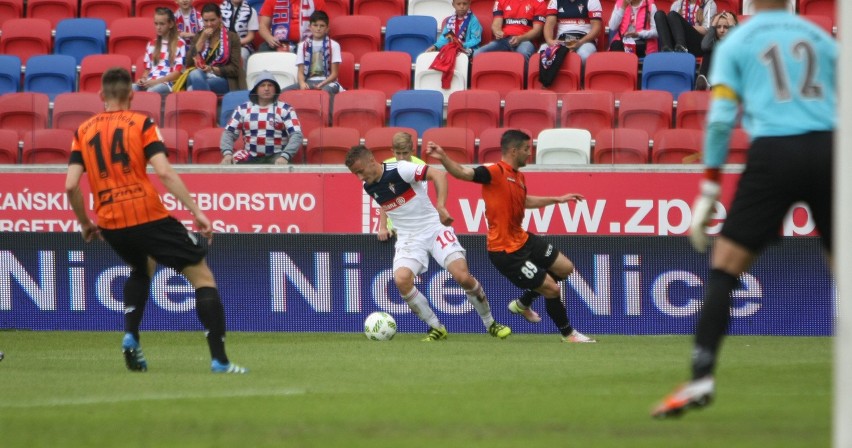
417, 109
80, 38
411, 34
230, 102
10, 73
51, 74
670, 71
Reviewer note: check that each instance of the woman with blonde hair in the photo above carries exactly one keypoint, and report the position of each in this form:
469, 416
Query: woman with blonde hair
164, 55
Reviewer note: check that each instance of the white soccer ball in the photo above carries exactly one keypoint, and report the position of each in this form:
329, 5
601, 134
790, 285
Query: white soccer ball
379, 326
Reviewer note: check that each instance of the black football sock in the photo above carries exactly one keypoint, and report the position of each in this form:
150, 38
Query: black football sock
713, 323
559, 315
528, 298
136, 291
211, 313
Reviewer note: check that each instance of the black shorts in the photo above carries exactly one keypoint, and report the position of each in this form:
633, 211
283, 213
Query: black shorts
167, 241
781, 171
527, 266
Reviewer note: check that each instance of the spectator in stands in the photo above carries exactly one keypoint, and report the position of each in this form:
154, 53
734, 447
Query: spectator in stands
685, 25
238, 16
462, 27
285, 23
633, 27
517, 26
721, 24
189, 22
403, 149
270, 128
318, 58
164, 55
215, 56
575, 24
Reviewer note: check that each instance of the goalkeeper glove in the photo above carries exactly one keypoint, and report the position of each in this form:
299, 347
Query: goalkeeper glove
701, 210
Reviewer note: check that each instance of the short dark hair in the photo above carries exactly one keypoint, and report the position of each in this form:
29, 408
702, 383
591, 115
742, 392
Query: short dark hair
211, 7
356, 153
512, 138
116, 84
319, 16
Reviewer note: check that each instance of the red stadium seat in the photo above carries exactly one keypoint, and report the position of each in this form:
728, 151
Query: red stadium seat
616, 146
827, 8
458, 143
130, 36
530, 109
94, 66
490, 150
476, 110
346, 70
587, 109
484, 12
692, 109
738, 148
177, 144
146, 8
312, 108
823, 22
190, 111
568, 79
11, 9
358, 34
24, 111
8, 146
387, 71
649, 110
108, 10
70, 110
677, 146
337, 8
205, 146
499, 70
148, 103
379, 141
615, 71
330, 145
26, 37
360, 109
52, 10
47, 146
381, 9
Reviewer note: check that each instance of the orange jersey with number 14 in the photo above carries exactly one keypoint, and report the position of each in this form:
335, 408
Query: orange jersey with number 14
114, 148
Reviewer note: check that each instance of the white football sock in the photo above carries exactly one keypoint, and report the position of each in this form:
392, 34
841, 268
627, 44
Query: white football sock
418, 304
476, 297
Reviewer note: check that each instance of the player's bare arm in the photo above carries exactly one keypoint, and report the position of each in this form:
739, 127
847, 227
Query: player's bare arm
172, 181
75, 198
455, 169
383, 234
439, 179
544, 201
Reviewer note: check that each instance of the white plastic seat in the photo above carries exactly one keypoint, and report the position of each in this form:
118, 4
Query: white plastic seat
426, 78
565, 146
439, 9
282, 65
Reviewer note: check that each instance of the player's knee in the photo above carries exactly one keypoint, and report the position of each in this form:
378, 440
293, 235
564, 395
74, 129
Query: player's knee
404, 280
549, 289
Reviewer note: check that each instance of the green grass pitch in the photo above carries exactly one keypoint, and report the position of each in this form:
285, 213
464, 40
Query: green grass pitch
70, 389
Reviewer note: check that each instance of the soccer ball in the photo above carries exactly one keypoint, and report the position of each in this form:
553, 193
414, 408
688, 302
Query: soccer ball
380, 326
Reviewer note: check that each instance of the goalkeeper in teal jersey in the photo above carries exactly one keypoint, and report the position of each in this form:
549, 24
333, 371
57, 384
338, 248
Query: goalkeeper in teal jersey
780, 69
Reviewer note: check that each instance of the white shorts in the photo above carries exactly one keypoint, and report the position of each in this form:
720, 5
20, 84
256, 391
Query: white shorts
439, 242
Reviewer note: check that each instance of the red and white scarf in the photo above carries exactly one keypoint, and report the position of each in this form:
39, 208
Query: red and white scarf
221, 53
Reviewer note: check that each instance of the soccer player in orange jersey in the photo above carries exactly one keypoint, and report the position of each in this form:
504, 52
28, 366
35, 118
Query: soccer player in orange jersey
528, 261
113, 148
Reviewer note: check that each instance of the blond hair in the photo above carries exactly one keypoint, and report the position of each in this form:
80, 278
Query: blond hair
402, 140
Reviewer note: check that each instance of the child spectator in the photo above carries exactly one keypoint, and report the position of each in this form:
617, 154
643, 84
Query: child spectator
164, 55
462, 27
318, 58
188, 20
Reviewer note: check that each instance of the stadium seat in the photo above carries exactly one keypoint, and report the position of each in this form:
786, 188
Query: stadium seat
490, 150
530, 109
337, 8
458, 143
826, 8
568, 79
738, 147
484, 12
428, 79
47, 146
10, 74
621, 145
614, 71
230, 101
205, 146
733, 6
330, 145
360, 109
146, 8
677, 146
139, 68
499, 70
148, 103
9, 146
257, 4
130, 35
417, 109
24, 111
106, 10
70, 110
692, 107
410, 34
25, 37
649, 110
379, 141
666, 6
357, 34
673, 72
190, 111
11, 9
381, 9
281, 64
177, 144
607, 7
587, 109
476, 110
80, 38
564, 146
51, 74
346, 70
821, 21
387, 71
748, 7
437, 9
52, 10
312, 107
94, 66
